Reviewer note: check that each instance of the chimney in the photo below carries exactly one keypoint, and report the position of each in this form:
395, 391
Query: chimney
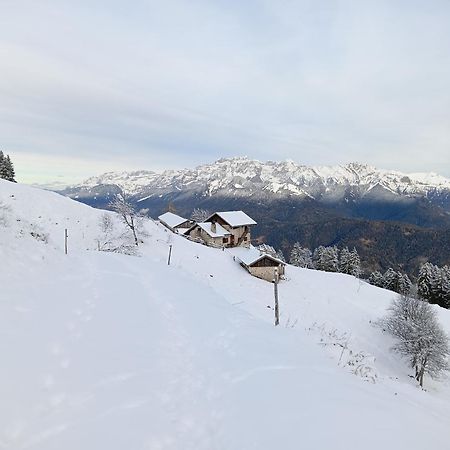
213, 227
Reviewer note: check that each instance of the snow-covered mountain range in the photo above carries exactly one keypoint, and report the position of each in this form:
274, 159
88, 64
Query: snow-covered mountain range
246, 177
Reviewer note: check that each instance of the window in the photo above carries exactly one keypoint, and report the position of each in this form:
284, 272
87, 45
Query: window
225, 240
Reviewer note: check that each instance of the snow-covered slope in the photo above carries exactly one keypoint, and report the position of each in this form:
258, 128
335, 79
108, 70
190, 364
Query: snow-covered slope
102, 350
243, 177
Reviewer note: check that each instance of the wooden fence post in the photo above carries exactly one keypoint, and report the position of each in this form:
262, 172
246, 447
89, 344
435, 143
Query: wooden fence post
65, 240
275, 291
170, 254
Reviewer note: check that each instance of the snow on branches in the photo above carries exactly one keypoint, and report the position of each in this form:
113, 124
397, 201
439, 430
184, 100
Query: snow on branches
420, 337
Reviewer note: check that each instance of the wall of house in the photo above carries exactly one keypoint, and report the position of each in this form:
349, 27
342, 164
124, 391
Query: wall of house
266, 273
186, 224
206, 238
237, 232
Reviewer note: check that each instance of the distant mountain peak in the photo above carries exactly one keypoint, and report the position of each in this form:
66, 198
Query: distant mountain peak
240, 176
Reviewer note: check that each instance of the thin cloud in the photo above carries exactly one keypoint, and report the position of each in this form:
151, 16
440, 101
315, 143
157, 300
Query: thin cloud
174, 83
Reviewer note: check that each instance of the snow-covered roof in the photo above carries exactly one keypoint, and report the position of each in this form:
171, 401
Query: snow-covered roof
220, 231
234, 218
171, 219
251, 255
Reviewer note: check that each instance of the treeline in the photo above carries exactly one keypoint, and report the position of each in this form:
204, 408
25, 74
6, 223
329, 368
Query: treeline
329, 259
7, 171
391, 280
432, 284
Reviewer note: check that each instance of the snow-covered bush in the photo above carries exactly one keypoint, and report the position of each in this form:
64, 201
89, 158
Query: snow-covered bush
4, 212
359, 362
39, 234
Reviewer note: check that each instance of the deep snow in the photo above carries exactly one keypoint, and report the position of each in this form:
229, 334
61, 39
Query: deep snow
103, 350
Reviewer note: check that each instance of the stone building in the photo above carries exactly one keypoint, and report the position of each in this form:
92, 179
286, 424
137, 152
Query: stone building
259, 264
209, 233
237, 223
223, 229
175, 223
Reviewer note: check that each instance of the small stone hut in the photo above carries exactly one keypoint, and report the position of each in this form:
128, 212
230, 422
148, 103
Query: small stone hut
258, 264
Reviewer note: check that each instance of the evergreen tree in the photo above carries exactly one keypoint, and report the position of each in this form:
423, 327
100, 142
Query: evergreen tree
349, 262
3, 170
344, 261
6, 168
376, 279
426, 275
300, 256
404, 284
280, 255
390, 279
317, 257
440, 288
326, 258
10, 169
396, 281
355, 263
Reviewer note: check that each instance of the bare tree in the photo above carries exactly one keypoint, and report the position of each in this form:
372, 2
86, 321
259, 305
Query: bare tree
129, 215
112, 240
200, 215
420, 337
105, 241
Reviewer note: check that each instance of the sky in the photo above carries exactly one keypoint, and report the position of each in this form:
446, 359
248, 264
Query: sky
92, 86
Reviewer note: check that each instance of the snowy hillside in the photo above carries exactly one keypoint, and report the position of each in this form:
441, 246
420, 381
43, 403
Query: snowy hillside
243, 177
108, 351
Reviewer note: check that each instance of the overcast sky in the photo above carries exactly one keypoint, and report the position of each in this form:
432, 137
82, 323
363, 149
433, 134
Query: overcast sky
89, 86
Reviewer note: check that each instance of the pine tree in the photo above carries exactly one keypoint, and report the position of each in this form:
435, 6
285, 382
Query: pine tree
317, 257
10, 169
349, 262
300, 256
404, 284
280, 255
326, 258
376, 279
396, 281
440, 288
355, 263
426, 274
6, 168
3, 169
344, 261
390, 279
